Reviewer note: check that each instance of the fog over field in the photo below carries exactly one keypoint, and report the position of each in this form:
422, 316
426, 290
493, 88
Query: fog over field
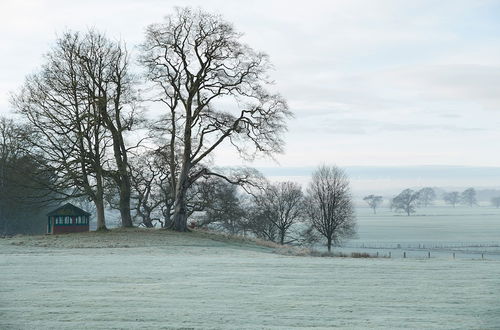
390, 180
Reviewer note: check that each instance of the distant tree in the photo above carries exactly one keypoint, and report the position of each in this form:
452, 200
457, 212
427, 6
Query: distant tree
468, 197
452, 198
495, 201
373, 201
426, 196
407, 201
282, 204
329, 206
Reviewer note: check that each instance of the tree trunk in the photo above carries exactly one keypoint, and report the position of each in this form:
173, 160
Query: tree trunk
329, 244
282, 237
101, 221
99, 202
179, 219
125, 203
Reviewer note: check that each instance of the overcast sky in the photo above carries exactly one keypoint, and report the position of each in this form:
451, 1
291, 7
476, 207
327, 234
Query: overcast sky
371, 83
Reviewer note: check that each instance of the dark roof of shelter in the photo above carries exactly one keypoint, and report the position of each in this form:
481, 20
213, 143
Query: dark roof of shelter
68, 209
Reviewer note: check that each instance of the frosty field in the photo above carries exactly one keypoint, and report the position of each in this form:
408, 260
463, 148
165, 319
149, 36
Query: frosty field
442, 230
151, 280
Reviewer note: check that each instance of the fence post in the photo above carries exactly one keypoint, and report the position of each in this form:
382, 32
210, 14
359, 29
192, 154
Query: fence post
389, 254
404, 254
453, 255
482, 255
429, 254
377, 254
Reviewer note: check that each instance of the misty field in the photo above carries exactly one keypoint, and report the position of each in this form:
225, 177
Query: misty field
157, 280
442, 230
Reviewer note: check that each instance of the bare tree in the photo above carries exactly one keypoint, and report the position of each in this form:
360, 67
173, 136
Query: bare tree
468, 197
149, 176
407, 201
223, 206
373, 202
259, 224
452, 198
282, 205
105, 73
495, 201
426, 196
80, 104
329, 205
70, 136
214, 89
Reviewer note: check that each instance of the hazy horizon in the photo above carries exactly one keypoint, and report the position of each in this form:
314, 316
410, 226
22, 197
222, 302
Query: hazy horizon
385, 84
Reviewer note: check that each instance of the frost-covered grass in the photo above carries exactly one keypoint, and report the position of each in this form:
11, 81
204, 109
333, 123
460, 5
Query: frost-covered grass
169, 280
443, 230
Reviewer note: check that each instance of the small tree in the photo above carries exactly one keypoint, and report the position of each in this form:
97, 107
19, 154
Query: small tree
407, 201
495, 201
468, 197
452, 198
282, 206
329, 205
223, 206
426, 196
373, 202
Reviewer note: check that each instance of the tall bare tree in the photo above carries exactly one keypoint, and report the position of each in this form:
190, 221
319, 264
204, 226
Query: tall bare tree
329, 205
282, 205
105, 73
80, 104
214, 89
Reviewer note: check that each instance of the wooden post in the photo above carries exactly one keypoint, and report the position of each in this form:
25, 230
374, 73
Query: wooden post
482, 255
404, 254
429, 254
453, 255
377, 254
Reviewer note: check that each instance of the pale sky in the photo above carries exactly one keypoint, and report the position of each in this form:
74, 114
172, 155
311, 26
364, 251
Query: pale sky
371, 83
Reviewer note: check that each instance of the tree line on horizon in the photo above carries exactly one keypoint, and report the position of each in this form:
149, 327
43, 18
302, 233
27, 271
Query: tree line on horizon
409, 200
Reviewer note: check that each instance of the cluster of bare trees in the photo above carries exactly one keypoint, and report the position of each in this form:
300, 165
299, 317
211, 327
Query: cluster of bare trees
466, 197
83, 107
283, 213
210, 89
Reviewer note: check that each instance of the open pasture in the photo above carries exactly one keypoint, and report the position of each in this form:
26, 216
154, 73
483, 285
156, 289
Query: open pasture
467, 231
173, 282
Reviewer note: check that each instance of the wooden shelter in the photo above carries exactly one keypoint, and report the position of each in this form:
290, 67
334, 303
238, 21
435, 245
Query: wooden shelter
67, 219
